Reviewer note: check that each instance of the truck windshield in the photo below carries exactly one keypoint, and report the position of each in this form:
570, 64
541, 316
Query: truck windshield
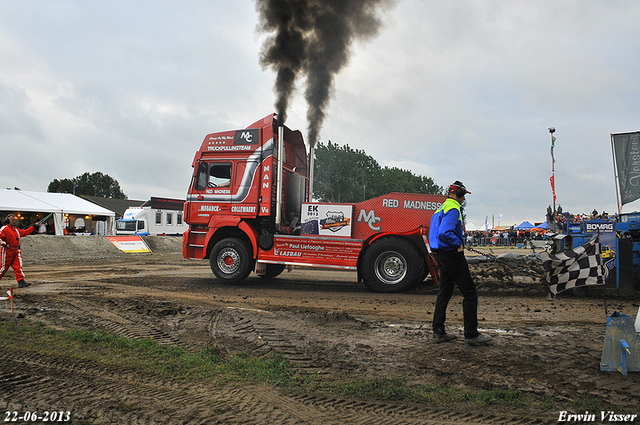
129, 225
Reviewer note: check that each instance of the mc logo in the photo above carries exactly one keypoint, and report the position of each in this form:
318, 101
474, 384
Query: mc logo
370, 218
246, 135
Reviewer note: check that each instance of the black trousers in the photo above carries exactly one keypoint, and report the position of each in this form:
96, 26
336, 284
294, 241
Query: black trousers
454, 270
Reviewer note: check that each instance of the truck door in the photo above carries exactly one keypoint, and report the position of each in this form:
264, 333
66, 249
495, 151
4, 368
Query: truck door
142, 227
245, 194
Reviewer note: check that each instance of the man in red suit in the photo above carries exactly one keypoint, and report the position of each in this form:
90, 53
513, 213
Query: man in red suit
10, 255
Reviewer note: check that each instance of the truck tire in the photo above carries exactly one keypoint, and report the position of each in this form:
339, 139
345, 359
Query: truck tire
392, 264
230, 260
273, 270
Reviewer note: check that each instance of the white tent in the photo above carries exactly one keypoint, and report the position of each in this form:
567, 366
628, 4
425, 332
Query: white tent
470, 227
59, 204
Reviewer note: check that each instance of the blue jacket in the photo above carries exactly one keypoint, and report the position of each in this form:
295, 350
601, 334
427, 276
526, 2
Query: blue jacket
446, 233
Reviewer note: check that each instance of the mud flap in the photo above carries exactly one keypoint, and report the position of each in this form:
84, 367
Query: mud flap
261, 268
620, 335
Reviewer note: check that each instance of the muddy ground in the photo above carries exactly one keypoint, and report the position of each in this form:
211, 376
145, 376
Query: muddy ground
322, 322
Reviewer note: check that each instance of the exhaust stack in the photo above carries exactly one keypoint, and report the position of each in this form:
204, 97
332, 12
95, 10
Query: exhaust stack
311, 161
279, 184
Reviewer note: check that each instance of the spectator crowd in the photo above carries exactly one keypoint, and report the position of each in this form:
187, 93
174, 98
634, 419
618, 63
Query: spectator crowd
515, 237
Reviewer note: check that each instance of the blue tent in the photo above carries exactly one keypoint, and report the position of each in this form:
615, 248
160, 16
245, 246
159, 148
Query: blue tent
524, 226
543, 226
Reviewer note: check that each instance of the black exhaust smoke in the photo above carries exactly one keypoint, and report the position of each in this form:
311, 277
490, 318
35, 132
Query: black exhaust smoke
312, 37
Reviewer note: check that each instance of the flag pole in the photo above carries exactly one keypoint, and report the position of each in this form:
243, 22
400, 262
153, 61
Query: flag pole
604, 296
615, 175
553, 178
604, 282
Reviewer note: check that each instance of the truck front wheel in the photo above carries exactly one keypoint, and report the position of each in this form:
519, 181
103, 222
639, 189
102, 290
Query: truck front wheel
230, 260
392, 265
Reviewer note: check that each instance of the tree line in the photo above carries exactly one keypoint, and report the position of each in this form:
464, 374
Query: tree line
96, 184
343, 174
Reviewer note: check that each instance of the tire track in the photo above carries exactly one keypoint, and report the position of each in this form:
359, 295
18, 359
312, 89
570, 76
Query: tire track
259, 333
130, 326
262, 337
257, 329
98, 394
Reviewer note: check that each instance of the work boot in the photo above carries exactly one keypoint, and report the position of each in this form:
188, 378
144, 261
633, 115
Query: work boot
23, 284
479, 340
438, 338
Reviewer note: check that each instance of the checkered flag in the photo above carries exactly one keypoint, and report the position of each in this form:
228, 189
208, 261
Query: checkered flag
572, 269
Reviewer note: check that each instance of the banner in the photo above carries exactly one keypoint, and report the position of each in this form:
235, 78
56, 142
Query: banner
129, 244
553, 159
326, 219
626, 148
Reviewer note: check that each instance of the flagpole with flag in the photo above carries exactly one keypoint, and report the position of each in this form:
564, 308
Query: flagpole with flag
553, 176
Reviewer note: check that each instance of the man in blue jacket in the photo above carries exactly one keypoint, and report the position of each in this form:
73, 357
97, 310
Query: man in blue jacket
446, 238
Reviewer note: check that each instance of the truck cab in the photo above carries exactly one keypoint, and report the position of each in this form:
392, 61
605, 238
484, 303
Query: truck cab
235, 180
133, 222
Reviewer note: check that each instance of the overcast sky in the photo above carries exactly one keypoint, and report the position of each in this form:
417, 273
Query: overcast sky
454, 90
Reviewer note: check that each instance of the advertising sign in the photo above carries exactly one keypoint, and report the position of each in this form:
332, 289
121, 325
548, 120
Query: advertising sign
129, 244
311, 251
608, 242
326, 219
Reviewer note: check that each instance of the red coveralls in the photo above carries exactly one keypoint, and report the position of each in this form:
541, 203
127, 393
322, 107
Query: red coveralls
10, 249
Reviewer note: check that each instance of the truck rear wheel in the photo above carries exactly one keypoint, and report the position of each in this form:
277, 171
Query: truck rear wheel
392, 264
230, 260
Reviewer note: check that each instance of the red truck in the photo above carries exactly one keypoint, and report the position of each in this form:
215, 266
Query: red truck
248, 210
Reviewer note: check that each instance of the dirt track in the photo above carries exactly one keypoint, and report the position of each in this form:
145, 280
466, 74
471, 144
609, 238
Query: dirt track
323, 322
